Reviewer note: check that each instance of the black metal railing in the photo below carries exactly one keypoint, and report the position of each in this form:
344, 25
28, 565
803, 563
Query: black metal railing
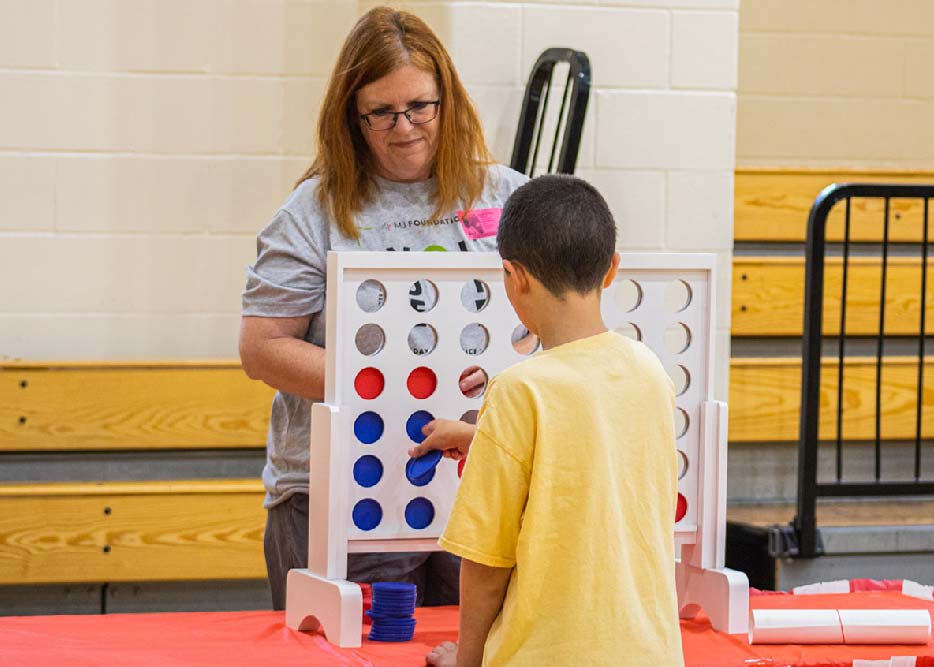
809, 487
562, 158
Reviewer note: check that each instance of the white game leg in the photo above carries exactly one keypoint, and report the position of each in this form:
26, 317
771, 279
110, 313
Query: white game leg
336, 606
723, 594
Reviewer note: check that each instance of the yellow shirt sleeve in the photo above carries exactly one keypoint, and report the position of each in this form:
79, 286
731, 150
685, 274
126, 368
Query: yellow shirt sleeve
487, 515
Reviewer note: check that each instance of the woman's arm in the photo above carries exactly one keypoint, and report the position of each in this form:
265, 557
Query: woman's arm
273, 349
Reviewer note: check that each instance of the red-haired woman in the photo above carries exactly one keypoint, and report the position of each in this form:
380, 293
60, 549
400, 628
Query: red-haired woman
400, 153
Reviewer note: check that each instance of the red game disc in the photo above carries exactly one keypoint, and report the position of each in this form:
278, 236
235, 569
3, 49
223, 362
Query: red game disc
682, 508
422, 382
369, 383
460, 467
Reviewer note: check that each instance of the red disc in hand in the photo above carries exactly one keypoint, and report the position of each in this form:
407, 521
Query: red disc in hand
369, 383
460, 467
681, 509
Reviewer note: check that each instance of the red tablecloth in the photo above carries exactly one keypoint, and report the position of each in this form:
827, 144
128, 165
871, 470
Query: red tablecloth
230, 639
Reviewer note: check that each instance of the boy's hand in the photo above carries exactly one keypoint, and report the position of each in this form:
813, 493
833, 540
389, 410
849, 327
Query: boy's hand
443, 655
450, 436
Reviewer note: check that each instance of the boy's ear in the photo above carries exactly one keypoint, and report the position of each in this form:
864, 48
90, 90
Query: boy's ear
611, 272
519, 275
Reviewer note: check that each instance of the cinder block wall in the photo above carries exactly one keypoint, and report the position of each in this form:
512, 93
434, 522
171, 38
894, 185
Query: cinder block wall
836, 83
143, 144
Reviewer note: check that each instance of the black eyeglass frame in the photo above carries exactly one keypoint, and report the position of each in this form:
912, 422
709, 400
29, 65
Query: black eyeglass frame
395, 116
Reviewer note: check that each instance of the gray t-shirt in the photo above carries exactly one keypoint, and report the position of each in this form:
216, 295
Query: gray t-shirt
288, 280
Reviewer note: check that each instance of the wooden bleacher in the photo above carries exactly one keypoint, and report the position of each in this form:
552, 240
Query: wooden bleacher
211, 529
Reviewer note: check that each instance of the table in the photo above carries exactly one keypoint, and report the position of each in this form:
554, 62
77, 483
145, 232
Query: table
250, 638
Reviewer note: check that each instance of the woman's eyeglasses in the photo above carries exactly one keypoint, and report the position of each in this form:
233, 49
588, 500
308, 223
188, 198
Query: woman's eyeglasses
384, 119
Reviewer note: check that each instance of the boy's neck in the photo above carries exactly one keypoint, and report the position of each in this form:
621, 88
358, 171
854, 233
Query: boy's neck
564, 320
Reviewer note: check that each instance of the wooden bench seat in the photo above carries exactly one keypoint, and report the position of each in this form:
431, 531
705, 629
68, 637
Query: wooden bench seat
131, 531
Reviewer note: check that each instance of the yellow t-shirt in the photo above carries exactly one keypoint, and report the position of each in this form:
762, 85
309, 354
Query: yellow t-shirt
572, 481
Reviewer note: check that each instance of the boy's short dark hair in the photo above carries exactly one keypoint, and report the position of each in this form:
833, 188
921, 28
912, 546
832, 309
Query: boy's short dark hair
560, 229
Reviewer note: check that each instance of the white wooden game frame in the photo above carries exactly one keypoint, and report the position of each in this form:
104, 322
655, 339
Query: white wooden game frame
320, 596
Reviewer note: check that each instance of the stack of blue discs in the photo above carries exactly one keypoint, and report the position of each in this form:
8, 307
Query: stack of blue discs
392, 612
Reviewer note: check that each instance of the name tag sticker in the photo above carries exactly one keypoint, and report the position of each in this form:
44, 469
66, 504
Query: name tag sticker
480, 223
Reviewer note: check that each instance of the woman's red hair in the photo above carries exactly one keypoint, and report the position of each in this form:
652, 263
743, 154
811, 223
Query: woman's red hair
382, 40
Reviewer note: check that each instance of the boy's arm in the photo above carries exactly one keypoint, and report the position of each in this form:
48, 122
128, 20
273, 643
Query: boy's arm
482, 591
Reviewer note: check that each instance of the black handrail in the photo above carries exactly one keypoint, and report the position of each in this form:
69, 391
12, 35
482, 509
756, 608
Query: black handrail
534, 106
805, 522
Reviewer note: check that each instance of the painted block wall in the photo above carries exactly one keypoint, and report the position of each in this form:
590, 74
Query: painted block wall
143, 144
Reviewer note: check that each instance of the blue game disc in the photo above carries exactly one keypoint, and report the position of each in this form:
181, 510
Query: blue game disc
367, 470
367, 514
368, 427
414, 424
421, 470
419, 513
393, 587
401, 637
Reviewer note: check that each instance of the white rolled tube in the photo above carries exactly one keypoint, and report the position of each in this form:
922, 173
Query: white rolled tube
885, 626
795, 626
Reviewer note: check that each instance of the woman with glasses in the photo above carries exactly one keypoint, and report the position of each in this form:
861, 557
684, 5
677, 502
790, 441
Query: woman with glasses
401, 165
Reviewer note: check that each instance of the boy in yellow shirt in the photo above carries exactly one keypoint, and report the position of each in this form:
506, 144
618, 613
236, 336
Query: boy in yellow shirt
565, 514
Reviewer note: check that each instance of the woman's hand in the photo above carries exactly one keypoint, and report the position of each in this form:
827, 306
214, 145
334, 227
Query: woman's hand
452, 437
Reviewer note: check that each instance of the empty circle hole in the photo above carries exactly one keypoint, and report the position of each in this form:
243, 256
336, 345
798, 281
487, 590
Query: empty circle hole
422, 382
678, 295
367, 470
370, 339
419, 513
681, 509
682, 422
423, 339
475, 295
371, 295
524, 341
628, 295
367, 514
472, 381
470, 417
415, 423
369, 383
677, 338
681, 378
629, 330
682, 464
368, 427
423, 296
475, 338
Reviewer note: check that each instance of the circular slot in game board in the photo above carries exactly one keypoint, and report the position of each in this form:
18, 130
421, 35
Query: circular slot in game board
371, 295
681, 377
415, 423
629, 330
681, 508
682, 464
422, 382
475, 295
368, 427
682, 422
367, 470
470, 417
369, 383
628, 295
475, 338
423, 339
678, 338
472, 381
419, 513
423, 296
367, 514
678, 295
370, 339
524, 341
